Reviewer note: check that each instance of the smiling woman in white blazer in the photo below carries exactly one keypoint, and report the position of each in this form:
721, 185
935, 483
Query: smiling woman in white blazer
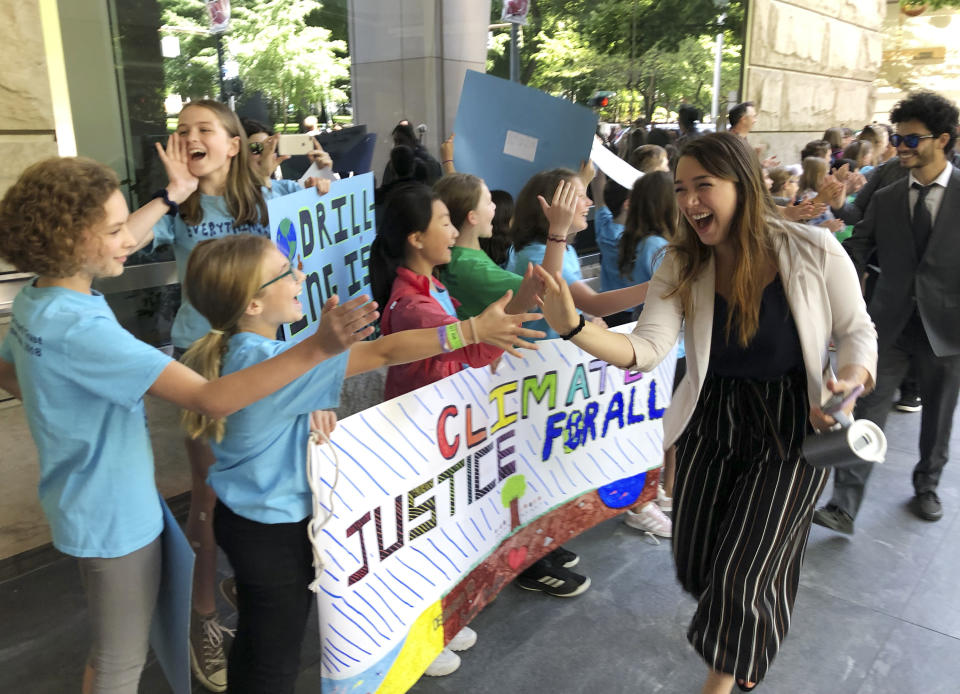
744, 494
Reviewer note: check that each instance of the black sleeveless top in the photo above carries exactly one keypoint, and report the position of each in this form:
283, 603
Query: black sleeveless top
774, 350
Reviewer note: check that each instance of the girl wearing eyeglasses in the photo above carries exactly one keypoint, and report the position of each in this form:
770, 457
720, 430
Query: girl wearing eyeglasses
246, 289
213, 191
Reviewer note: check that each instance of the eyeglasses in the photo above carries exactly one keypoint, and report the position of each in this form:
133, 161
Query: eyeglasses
277, 278
255, 147
911, 140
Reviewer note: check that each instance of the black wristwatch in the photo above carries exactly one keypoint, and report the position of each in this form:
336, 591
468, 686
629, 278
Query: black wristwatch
573, 333
174, 207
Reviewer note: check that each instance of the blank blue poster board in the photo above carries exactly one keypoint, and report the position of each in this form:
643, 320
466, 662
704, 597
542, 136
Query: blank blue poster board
507, 132
170, 628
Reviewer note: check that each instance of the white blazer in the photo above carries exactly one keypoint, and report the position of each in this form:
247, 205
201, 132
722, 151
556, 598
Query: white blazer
824, 294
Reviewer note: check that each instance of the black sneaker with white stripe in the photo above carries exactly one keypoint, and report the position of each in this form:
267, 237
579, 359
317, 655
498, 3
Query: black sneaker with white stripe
553, 579
562, 556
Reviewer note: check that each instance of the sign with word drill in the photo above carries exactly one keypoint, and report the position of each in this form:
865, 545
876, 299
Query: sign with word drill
430, 503
329, 239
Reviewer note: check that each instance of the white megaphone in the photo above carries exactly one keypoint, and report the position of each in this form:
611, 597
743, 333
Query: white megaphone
850, 442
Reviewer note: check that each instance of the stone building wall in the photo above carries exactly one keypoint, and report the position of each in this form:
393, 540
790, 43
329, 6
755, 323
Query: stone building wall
810, 65
27, 132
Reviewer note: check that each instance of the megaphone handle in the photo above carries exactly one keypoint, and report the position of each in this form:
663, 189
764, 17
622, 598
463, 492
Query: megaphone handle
843, 419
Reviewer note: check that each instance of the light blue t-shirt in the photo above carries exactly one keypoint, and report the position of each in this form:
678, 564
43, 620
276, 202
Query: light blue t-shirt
608, 234
533, 253
83, 378
260, 471
442, 297
189, 325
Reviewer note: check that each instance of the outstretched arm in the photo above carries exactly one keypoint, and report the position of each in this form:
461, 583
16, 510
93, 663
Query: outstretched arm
340, 327
494, 327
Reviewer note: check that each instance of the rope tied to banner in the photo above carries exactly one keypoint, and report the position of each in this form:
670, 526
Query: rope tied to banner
321, 516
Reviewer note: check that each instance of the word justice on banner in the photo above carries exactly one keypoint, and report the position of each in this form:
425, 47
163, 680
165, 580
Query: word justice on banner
445, 494
328, 238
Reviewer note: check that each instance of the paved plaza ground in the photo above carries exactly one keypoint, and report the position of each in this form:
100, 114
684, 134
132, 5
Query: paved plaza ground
878, 613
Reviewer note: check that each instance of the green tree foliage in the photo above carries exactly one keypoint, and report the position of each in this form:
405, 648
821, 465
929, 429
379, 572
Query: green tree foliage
656, 54
281, 50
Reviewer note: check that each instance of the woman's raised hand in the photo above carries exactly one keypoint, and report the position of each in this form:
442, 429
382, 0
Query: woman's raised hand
341, 325
501, 329
561, 210
557, 303
175, 160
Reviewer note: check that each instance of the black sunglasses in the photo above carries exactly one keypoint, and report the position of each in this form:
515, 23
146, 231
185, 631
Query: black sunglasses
911, 140
255, 147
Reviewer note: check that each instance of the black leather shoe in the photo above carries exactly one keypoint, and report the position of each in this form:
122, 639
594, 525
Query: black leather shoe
833, 518
927, 506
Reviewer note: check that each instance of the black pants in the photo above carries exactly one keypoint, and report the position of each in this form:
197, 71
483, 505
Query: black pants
938, 382
273, 567
742, 514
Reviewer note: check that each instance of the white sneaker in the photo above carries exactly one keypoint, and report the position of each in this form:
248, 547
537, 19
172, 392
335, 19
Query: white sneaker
464, 639
651, 520
444, 664
663, 501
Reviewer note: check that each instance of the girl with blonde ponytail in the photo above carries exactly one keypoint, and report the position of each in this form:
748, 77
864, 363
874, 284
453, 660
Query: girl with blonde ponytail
246, 289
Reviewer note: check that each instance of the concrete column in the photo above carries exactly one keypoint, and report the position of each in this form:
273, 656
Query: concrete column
810, 65
409, 59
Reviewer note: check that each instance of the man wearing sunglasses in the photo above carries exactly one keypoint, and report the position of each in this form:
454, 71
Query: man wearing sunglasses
913, 227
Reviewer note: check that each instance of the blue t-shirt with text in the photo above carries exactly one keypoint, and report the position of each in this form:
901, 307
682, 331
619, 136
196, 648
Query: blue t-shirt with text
216, 221
83, 378
260, 471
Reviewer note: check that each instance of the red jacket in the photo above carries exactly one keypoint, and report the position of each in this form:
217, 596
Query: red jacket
410, 306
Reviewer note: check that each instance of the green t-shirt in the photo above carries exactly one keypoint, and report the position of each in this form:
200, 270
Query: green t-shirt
475, 280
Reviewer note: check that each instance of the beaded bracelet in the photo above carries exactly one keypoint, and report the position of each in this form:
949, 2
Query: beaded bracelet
557, 239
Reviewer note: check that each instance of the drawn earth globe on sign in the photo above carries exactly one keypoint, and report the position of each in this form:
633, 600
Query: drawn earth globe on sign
287, 239
624, 492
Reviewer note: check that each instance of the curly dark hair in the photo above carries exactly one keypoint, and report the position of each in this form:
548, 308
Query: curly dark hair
934, 111
46, 213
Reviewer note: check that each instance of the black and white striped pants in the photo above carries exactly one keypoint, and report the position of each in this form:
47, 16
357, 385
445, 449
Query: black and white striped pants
742, 514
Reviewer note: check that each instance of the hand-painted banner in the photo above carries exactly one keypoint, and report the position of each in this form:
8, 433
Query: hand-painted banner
330, 238
447, 493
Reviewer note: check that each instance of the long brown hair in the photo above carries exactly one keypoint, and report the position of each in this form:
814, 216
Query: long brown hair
727, 156
243, 196
530, 224
653, 210
814, 171
223, 277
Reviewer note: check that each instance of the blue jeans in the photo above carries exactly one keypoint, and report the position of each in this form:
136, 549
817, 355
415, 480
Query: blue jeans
273, 567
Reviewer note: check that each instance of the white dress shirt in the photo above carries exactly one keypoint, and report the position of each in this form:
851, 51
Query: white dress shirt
934, 195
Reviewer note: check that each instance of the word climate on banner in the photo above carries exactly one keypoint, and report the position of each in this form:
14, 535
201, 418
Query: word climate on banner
437, 499
328, 238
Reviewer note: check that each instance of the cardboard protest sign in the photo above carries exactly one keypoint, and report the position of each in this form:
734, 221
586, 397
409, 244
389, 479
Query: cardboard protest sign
329, 238
445, 494
507, 132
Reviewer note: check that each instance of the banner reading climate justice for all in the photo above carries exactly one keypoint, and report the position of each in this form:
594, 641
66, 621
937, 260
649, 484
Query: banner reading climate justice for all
448, 492
329, 238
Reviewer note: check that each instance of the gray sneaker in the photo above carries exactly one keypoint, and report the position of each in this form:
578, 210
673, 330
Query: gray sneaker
834, 518
206, 651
